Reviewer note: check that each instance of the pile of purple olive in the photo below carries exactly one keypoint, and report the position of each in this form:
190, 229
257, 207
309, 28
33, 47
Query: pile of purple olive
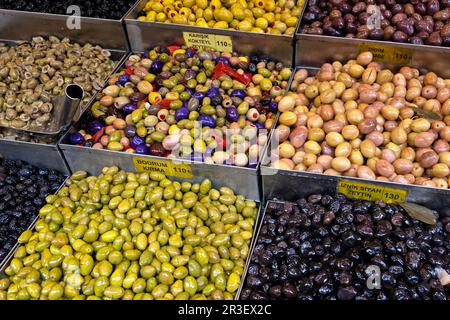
417, 21
330, 248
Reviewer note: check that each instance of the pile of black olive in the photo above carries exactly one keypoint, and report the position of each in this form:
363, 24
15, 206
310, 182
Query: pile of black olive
105, 9
324, 248
23, 189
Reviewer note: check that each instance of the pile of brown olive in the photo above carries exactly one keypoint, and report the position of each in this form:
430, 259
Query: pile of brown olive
334, 248
417, 22
33, 73
361, 120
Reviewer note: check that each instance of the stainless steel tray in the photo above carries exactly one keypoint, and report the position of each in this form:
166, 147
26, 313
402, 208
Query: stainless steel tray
18, 26
246, 181
143, 34
315, 187
22, 25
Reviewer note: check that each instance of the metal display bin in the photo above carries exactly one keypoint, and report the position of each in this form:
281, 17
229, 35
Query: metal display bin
242, 180
22, 25
313, 50
288, 185
319, 186
217, 182
97, 31
143, 34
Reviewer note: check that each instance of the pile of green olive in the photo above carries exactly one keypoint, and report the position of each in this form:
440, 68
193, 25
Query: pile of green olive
263, 16
133, 236
361, 120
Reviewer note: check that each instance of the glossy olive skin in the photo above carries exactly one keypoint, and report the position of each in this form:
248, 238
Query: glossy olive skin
23, 189
319, 248
413, 22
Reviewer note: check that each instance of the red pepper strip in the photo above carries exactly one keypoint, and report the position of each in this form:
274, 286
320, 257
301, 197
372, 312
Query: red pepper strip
128, 71
222, 69
172, 49
165, 103
96, 137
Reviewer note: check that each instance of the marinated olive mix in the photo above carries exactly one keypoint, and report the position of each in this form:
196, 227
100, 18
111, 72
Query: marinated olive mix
106, 9
361, 120
179, 102
33, 73
327, 248
23, 189
263, 16
133, 236
417, 22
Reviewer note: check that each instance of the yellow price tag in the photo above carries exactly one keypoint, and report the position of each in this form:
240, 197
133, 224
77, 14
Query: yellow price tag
388, 54
166, 167
208, 41
371, 192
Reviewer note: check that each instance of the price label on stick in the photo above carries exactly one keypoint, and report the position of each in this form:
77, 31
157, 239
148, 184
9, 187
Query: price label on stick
166, 167
388, 54
371, 192
208, 41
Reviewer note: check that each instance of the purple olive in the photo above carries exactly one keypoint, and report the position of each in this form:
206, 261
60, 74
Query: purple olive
94, 127
238, 94
376, 34
191, 92
190, 53
197, 156
207, 121
181, 114
189, 74
222, 59
137, 96
137, 141
156, 67
273, 106
123, 79
208, 152
213, 92
232, 114
406, 26
433, 7
199, 95
399, 36
142, 149
129, 108
130, 131
259, 125
416, 40
76, 138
